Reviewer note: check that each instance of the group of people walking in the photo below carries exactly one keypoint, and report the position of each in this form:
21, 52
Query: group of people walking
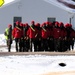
48, 36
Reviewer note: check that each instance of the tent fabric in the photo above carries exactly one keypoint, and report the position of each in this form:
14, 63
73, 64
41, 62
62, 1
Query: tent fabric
68, 5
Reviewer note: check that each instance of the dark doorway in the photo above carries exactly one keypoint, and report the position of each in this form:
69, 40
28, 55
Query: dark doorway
51, 19
16, 19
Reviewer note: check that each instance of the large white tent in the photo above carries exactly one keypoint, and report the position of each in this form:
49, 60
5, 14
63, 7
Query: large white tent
37, 10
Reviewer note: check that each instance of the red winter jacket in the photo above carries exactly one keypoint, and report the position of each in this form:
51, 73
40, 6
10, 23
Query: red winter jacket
38, 33
44, 33
56, 33
63, 33
32, 33
17, 32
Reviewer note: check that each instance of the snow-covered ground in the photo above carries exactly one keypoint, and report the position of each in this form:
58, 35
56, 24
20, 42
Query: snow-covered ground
35, 64
3, 43
32, 64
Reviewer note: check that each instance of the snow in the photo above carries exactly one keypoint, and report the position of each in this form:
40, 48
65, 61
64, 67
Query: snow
33, 64
8, 1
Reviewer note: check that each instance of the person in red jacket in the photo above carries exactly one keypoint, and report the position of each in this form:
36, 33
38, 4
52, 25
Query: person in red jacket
26, 44
63, 34
45, 36
32, 34
21, 39
38, 38
56, 36
50, 35
17, 34
68, 37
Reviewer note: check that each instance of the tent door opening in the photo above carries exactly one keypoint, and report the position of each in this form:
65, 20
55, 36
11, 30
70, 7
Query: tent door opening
49, 19
16, 19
